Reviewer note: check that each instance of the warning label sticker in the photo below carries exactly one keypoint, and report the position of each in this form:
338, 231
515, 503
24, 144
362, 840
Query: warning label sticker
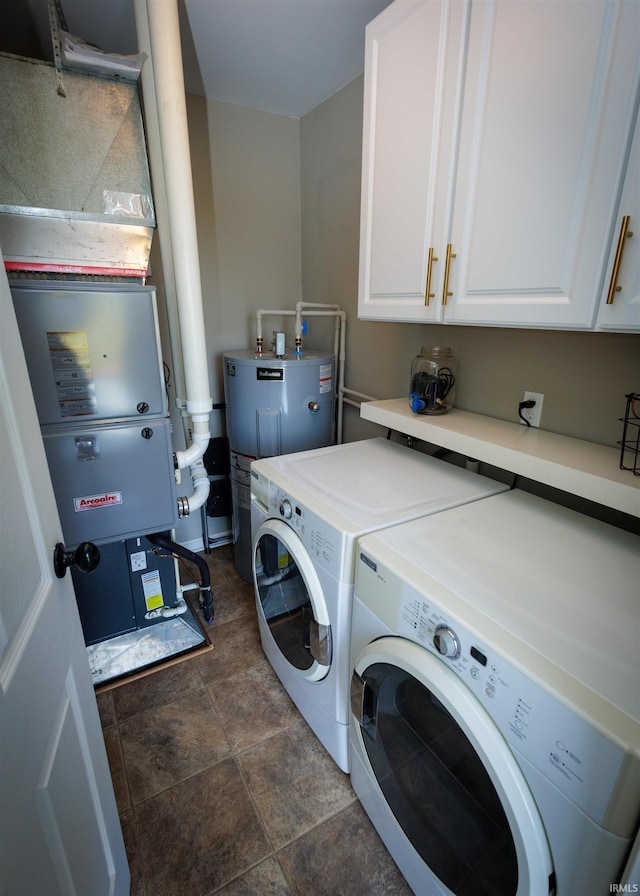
73, 376
325, 378
152, 588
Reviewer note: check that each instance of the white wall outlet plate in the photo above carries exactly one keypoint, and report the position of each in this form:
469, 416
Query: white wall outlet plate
533, 415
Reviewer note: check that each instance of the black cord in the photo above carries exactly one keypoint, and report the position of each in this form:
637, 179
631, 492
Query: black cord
525, 404
447, 382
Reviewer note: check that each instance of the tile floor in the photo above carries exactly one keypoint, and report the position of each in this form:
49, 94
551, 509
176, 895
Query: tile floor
221, 785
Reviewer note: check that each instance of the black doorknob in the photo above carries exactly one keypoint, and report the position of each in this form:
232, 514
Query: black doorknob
86, 557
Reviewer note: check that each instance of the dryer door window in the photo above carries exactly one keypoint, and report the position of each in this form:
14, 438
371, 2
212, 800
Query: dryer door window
290, 599
448, 776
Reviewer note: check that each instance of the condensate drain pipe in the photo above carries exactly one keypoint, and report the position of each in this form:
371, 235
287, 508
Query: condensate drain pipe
163, 33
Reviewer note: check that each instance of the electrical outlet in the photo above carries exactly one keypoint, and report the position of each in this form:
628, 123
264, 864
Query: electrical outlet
138, 561
533, 414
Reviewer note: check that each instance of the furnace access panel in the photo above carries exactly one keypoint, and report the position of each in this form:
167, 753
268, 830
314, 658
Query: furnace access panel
91, 349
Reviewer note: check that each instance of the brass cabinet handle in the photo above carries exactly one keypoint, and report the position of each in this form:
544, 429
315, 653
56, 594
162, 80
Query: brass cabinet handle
445, 291
625, 233
428, 294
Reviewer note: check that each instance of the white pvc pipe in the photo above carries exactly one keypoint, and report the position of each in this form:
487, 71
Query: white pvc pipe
339, 351
359, 396
319, 310
201, 485
288, 312
152, 131
342, 355
301, 305
164, 34
259, 315
168, 612
166, 53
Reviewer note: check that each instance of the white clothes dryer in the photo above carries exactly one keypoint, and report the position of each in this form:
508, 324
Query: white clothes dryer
308, 510
495, 725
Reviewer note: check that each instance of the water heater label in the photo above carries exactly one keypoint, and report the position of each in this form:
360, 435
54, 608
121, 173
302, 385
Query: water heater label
93, 502
270, 373
325, 378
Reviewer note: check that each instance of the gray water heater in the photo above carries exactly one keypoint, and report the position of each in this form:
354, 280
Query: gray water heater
275, 405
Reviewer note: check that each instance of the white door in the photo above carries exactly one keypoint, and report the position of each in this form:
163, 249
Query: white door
59, 826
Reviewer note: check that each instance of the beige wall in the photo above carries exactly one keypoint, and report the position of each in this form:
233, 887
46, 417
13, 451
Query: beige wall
278, 207
584, 376
246, 173
246, 168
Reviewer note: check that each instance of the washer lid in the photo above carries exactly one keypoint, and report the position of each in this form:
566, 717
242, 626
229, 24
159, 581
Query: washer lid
563, 584
374, 483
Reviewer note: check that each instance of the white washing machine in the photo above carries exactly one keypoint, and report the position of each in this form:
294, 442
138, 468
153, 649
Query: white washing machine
495, 733
308, 509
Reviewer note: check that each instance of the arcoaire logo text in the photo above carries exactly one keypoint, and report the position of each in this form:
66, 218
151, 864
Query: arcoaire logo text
92, 502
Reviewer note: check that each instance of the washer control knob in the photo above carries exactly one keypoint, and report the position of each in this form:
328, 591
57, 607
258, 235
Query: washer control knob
446, 642
285, 509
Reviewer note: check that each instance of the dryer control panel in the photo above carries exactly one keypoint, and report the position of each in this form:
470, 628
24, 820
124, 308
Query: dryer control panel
327, 545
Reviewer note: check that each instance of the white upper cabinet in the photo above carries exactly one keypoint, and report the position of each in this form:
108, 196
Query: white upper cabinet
495, 140
548, 100
411, 83
620, 303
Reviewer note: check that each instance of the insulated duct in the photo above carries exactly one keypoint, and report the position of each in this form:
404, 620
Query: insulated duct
164, 542
157, 21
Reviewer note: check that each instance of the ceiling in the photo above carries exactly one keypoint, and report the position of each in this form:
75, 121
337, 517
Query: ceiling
281, 56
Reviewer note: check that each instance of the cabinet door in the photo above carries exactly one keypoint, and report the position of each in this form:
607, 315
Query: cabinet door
620, 299
549, 94
412, 78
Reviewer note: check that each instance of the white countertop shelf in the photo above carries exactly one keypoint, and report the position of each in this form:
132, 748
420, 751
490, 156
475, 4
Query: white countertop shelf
581, 468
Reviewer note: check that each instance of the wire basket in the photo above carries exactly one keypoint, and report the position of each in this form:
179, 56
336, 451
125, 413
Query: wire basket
630, 443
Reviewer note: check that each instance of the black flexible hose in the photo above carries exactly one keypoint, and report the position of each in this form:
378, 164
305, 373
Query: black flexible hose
164, 542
